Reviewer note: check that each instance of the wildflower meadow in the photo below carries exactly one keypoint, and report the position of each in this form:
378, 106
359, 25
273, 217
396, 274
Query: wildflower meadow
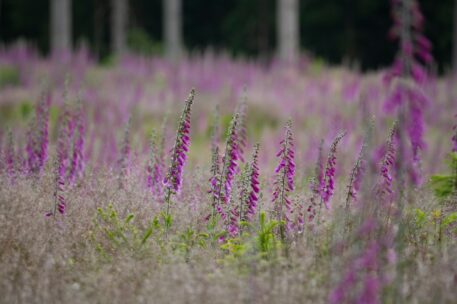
221, 180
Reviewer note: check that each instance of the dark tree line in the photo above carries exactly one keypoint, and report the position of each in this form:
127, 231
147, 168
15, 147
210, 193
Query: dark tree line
336, 30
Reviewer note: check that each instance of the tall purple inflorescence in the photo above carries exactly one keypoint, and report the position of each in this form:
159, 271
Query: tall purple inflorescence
411, 75
38, 136
317, 184
248, 195
330, 169
223, 183
252, 193
357, 173
77, 156
284, 181
155, 166
173, 179
384, 187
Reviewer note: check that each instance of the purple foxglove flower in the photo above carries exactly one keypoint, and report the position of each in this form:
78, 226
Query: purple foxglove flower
384, 187
77, 158
330, 169
250, 188
37, 136
173, 179
411, 67
229, 166
155, 167
284, 180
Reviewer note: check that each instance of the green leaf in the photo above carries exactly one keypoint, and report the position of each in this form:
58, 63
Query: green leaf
129, 218
451, 218
147, 235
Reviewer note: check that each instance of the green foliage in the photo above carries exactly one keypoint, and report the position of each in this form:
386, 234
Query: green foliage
9, 76
266, 240
445, 185
190, 239
140, 42
113, 233
429, 227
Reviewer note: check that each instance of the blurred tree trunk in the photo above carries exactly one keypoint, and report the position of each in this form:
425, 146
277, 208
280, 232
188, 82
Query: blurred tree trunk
288, 30
173, 28
60, 26
119, 15
454, 41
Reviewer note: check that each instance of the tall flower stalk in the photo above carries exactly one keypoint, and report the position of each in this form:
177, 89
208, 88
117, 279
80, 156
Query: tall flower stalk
155, 166
330, 169
173, 179
223, 184
248, 195
355, 178
317, 184
38, 136
242, 132
284, 181
124, 158
77, 157
410, 72
384, 188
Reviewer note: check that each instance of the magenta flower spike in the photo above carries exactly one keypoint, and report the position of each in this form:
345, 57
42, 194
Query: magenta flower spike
284, 180
154, 168
38, 136
252, 197
330, 169
173, 179
223, 184
77, 157
384, 187
411, 74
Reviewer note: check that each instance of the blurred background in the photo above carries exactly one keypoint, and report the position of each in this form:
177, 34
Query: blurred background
354, 32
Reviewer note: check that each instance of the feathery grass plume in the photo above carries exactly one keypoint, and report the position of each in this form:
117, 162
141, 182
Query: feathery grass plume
154, 167
37, 136
77, 158
384, 187
284, 180
330, 169
124, 158
173, 179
